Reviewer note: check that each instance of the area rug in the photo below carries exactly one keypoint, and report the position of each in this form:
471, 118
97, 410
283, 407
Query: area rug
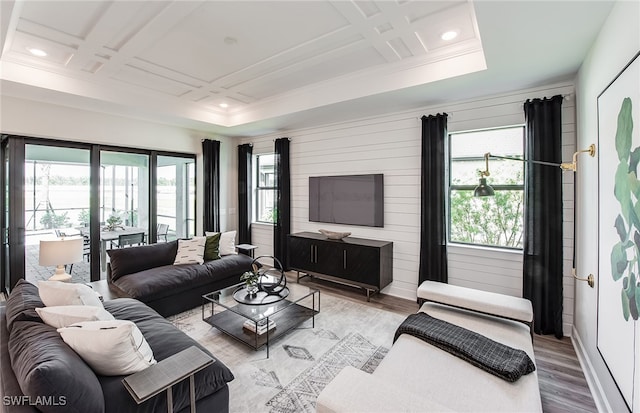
304, 361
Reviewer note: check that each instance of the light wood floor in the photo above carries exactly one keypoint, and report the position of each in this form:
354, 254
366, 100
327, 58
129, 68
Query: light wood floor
563, 387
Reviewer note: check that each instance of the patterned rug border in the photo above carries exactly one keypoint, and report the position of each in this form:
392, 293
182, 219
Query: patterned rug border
301, 393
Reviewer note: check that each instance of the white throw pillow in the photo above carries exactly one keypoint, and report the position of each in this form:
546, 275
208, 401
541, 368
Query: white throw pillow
110, 348
54, 293
228, 243
65, 315
190, 251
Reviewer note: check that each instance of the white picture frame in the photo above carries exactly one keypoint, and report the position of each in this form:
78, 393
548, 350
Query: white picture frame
618, 331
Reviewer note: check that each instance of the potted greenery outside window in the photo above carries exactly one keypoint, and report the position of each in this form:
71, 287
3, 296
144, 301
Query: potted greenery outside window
113, 222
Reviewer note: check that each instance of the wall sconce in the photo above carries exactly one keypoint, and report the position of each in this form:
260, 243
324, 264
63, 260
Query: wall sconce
484, 189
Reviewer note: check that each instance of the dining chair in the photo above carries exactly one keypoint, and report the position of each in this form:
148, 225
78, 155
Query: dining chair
86, 247
162, 231
130, 240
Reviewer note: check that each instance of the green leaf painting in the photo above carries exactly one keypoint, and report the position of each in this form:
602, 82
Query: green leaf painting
625, 255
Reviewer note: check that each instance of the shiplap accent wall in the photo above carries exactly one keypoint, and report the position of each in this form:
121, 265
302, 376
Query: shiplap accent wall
390, 144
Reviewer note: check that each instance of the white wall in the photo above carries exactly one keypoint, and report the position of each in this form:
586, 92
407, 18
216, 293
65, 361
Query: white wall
44, 120
617, 43
391, 145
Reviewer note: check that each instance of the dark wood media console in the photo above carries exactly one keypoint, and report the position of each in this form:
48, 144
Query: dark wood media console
354, 261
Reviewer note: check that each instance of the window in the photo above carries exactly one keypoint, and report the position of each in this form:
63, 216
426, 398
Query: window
265, 188
491, 221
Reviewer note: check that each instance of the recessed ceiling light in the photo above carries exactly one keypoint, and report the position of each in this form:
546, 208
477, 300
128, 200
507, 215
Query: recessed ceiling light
450, 35
224, 105
37, 52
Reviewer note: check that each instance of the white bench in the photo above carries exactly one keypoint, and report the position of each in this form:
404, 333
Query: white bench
500, 305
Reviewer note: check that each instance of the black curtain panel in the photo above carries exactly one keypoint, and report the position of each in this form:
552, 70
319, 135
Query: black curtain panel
433, 216
282, 226
244, 193
542, 278
211, 170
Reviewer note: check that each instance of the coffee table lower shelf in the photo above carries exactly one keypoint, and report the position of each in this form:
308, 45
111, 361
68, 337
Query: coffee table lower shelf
289, 318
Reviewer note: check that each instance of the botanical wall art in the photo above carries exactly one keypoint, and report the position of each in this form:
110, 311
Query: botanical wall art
619, 231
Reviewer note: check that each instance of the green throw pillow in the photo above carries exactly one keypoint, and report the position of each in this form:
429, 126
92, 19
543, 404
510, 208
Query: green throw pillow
212, 247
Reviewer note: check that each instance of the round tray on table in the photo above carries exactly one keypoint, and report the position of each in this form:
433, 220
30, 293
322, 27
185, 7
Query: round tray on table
261, 297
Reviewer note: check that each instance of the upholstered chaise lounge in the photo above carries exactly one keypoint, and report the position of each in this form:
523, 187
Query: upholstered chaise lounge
418, 377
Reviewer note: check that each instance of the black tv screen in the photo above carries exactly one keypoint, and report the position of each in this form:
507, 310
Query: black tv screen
347, 199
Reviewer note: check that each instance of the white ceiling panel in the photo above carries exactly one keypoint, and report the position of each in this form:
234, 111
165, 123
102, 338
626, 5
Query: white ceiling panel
460, 19
128, 19
63, 16
57, 54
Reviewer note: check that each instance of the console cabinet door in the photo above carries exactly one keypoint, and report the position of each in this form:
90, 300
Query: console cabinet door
329, 258
360, 264
302, 253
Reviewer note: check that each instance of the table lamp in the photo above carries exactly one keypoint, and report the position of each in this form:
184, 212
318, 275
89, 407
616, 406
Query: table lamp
60, 252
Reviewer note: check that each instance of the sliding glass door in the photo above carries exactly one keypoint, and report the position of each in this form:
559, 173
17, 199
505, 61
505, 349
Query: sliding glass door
124, 198
56, 205
59, 188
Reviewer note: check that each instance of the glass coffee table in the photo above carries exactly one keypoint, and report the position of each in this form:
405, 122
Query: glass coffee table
241, 321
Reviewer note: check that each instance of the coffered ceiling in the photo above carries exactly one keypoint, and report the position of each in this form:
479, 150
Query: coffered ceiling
246, 67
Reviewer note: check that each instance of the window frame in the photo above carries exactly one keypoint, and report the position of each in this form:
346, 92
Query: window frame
456, 187
258, 189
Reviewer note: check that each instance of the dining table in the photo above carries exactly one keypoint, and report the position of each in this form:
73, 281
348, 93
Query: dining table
108, 235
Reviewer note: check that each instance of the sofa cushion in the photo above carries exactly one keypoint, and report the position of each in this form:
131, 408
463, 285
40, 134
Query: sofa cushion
65, 315
46, 368
125, 261
170, 280
110, 347
165, 340
22, 302
55, 293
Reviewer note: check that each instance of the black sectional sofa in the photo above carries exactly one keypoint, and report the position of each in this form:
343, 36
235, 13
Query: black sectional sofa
147, 273
40, 372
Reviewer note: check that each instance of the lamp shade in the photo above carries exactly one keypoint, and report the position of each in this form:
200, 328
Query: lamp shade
483, 189
60, 251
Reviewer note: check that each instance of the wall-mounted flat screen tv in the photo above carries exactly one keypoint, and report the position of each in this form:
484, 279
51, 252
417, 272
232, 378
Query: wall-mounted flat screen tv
347, 199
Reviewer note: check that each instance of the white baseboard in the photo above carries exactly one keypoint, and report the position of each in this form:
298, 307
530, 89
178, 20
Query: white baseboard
595, 387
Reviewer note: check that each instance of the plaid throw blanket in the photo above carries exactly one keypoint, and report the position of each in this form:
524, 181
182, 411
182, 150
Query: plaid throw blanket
496, 358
